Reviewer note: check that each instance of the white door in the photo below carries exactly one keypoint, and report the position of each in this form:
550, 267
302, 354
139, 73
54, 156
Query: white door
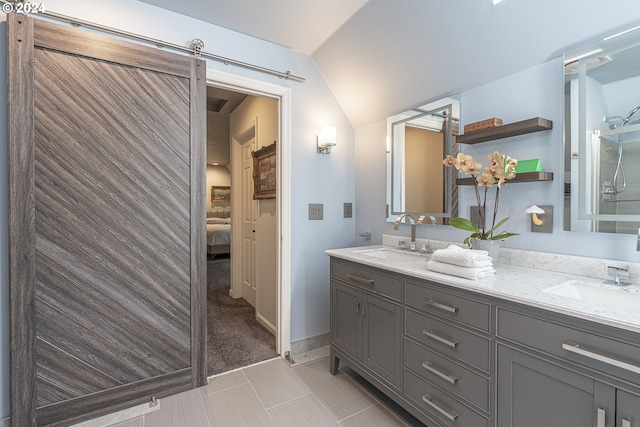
248, 224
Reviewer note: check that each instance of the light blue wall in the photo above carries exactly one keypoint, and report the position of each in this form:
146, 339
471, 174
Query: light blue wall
538, 91
327, 179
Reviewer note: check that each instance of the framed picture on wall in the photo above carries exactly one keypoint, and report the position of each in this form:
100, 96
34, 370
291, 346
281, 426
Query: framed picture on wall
264, 172
220, 194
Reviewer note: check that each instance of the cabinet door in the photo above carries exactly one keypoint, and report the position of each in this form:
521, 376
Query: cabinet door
533, 392
628, 411
346, 319
382, 338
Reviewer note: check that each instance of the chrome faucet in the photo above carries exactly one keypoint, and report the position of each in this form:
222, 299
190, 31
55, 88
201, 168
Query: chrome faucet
618, 273
412, 220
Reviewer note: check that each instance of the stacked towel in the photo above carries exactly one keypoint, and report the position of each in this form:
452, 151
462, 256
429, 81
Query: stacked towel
463, 257
466, 263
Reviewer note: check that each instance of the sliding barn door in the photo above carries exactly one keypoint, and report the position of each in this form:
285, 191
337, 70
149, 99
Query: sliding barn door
106, 159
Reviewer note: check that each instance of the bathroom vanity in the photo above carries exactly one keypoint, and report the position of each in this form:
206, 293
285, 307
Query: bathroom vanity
511, 350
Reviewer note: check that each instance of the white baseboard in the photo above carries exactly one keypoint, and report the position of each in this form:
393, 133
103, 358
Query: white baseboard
264, 322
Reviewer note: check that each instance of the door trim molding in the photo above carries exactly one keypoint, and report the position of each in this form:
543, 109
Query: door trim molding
283, 95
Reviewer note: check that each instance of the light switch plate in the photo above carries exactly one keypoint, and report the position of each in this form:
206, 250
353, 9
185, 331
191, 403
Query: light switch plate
348, 210
315, 211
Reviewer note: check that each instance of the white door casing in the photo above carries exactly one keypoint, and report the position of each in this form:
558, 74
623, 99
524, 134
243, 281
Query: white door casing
283, 95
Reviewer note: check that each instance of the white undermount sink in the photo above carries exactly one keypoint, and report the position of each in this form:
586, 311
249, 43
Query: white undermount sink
391, 254
621, 296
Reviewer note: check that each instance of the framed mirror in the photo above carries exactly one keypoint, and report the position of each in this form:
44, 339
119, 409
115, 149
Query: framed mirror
602, 135
417, 142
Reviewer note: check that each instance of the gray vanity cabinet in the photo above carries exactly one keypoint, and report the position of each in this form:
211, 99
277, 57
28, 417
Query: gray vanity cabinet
534, 392
458, 358
448, 354
366, 321
552, 372
627, 409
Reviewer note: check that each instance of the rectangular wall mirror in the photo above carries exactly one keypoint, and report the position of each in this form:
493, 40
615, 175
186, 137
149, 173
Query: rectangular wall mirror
417, 142
602, 135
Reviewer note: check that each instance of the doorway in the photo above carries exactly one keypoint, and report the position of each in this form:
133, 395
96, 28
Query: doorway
253, 265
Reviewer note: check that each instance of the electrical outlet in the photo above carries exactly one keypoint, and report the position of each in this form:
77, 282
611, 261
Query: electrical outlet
315, 211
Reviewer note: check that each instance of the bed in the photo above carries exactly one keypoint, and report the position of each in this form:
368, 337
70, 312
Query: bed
218, 232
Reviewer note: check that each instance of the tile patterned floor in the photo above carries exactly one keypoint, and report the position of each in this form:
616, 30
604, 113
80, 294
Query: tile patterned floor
276, 394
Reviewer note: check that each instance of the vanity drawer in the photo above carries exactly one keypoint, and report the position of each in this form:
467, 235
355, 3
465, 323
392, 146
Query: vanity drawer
449, 375
607, 354
440, 405
369, 279
457, 342
473, 313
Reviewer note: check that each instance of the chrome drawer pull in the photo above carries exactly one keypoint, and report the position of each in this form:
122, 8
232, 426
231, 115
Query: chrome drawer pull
601, 418
443, 340
359, 279
576, 348
429, 367
449, 414
626, 422
444, 307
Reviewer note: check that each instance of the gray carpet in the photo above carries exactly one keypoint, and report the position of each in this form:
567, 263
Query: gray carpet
234, 337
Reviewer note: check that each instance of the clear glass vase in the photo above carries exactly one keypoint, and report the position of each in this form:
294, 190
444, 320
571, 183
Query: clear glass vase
491, 246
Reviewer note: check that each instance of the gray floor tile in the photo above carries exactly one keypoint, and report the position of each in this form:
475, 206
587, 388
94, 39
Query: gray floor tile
340, 394
237, 406
275, 383
223, 382
376, 416
180, 410
301, 412
136, 422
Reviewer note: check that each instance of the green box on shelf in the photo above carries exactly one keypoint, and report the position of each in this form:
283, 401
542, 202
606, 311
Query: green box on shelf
532, 165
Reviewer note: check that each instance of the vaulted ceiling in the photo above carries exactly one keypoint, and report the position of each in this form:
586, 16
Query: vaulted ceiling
381, 57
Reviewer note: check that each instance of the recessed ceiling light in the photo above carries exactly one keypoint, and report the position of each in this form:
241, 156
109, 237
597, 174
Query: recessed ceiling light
495, 2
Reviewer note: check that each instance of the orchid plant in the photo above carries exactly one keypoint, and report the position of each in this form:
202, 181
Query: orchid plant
500, 169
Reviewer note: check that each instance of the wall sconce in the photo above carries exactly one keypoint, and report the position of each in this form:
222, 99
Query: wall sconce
541, 218
326, 139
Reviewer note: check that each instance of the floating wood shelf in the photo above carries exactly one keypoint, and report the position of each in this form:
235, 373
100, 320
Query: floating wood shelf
521, 177
536, 124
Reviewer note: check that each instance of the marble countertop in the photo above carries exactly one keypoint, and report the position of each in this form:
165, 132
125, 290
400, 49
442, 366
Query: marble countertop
517, 283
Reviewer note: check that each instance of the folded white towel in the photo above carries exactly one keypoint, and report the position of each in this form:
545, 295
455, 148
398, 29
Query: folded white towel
464, 257
471, 273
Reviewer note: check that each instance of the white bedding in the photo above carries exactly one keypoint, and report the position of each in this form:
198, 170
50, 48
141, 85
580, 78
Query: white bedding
218, 234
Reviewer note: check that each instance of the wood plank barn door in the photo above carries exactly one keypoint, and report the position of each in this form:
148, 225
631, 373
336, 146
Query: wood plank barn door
107, 222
